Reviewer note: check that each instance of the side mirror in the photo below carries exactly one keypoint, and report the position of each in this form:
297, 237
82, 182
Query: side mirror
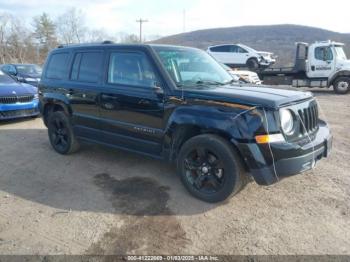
156, 88
13, 73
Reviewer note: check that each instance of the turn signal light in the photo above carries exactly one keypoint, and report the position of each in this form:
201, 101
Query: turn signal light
264, 139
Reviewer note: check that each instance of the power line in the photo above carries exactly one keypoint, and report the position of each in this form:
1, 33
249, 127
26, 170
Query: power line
141, 21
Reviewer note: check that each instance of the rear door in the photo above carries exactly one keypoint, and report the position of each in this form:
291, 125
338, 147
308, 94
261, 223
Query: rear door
83, 91
132, 112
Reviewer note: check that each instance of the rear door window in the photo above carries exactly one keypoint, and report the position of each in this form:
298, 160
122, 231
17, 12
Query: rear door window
57, 66
87, 67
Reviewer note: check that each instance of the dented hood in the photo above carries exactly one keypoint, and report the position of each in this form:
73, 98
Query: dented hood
250, 95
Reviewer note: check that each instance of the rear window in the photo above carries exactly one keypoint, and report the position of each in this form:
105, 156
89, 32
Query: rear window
87, 67
57, 66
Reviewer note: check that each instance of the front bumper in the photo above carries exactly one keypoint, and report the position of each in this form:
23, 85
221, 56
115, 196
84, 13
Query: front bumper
267, 62
11, 111
285, 159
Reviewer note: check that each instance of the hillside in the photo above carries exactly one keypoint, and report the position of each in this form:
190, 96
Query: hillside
278, 39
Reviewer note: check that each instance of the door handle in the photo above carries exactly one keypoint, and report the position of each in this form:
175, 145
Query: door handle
144, 102
109, 97
313, 68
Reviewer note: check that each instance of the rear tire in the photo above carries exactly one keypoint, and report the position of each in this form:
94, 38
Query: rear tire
61, 134
210, 169
342, 85
252, 64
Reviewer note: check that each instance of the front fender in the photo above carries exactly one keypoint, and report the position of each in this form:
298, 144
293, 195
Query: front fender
338, 74
233, 122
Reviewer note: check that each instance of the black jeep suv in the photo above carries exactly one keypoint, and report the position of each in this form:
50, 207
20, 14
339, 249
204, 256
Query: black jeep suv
179, 104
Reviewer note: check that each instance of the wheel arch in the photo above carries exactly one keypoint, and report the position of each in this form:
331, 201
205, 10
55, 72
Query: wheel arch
53, 105
343, 73
184, 131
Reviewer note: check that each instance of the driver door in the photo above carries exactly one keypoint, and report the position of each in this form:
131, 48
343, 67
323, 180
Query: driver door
322, 62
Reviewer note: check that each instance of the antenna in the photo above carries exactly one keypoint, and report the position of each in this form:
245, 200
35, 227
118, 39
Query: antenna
141, 21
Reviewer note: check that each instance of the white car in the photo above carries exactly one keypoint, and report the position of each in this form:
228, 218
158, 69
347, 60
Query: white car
243, 76
238, 55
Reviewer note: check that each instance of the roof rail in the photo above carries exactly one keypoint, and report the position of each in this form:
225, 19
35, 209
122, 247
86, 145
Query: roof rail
107, 42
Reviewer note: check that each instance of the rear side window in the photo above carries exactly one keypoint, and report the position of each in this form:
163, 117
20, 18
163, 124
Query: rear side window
222, 48
87, 67
130, 69
57, 66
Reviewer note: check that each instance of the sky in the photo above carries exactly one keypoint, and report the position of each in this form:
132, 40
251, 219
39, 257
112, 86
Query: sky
167, 17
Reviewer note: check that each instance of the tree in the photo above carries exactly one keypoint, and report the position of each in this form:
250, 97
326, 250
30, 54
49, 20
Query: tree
71, 26
45, 31
97, 35
4, 30
128, 38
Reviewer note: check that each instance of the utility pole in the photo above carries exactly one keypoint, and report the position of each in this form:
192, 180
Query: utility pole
184, 21
141, 21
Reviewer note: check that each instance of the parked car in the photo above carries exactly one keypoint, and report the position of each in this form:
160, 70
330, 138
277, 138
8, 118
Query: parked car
238, 55
26, 73
243, 76
178, 104
17, 99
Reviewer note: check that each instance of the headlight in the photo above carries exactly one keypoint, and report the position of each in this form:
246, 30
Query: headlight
287, 121
36, 96
29, 79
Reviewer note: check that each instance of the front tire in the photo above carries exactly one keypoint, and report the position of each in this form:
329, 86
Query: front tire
209, 168
253, 64
61, 134
342, 85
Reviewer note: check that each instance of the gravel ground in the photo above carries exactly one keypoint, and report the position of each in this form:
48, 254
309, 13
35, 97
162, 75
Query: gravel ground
103, 201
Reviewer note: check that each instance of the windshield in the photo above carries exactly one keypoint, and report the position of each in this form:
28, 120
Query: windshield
29, 69
5, 79
192, 67
340, 53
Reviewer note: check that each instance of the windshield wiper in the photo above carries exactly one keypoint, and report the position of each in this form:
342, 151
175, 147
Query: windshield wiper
209, 82
232, 81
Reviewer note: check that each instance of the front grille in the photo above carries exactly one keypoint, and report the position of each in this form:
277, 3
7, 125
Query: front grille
18, 113
16, 99
309, 116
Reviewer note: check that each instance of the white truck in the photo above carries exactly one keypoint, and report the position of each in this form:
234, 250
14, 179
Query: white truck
321, 64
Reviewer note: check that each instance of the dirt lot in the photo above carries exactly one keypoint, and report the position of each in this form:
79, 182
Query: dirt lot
103, 201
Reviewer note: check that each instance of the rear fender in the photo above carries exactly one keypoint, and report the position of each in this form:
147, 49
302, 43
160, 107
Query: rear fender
51, 100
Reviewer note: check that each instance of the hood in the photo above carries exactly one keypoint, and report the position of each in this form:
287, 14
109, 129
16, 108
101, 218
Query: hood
35, 76
8, 89
343, 64
265, 53
250, 95
245, 72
